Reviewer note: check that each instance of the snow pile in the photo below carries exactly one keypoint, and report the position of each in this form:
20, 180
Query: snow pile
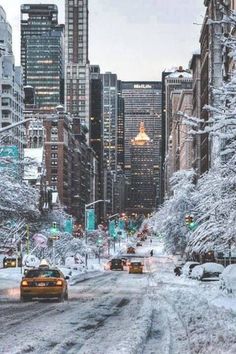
228, 279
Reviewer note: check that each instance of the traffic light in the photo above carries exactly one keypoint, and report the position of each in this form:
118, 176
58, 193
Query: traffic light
188, 219
54, 229
99, 241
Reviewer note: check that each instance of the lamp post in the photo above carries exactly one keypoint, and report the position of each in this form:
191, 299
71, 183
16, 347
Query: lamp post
114, 241
9, 127
85, 222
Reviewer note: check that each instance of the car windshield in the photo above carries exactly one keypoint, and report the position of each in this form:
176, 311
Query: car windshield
135, 263
44, 273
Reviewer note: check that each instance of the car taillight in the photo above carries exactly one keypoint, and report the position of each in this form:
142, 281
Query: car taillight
59, 283
24, 283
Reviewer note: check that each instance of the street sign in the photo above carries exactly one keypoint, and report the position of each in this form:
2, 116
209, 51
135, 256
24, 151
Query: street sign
112, 228
68, 226
121, 224
90, 220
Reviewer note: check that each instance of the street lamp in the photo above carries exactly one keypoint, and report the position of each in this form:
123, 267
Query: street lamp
85, 221
9, 127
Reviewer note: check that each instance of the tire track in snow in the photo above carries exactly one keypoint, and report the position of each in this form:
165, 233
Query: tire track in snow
168, 334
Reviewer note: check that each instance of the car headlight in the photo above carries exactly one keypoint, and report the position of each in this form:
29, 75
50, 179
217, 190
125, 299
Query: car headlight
24, 283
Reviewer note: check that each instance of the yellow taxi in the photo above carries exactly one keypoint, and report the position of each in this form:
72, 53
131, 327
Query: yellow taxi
136, 267
44, 282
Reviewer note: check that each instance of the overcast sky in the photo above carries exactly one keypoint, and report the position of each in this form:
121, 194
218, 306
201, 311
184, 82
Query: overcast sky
137, 39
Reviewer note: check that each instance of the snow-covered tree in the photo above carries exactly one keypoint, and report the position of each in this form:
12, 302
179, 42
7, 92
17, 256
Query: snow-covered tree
169, 221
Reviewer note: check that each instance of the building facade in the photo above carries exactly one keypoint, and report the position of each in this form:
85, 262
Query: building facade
76, 60
42, 54
177, 80
195, 66
143, 184
182, 142
113, 142
216, 67
142, 100
11, 87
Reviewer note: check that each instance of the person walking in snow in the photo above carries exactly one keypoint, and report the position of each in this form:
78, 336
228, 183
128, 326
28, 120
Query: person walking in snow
151, 253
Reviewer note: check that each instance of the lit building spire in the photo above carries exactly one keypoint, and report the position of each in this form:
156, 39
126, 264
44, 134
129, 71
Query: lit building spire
142, 138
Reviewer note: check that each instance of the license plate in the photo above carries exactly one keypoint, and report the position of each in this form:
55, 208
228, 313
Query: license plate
41, 284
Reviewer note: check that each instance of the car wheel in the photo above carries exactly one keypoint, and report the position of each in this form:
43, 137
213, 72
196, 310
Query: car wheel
61, 298
24, 298
66, 295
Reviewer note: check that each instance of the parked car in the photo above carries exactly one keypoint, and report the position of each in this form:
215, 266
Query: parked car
117, 264
139, 243
228, 279
44, 282
136, 267
188, 267
11, 262
207, 271
131, 250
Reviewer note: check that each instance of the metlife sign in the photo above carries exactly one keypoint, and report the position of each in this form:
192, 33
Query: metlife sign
142, 86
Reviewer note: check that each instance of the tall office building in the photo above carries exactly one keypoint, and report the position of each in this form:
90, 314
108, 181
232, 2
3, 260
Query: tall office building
11, 87
113, 122
76, 60
120, 129
96, 111
113, 143
96, 141
42, 54
142, 101
143, 184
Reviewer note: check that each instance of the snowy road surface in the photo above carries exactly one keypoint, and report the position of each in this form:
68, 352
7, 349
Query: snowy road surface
150, 313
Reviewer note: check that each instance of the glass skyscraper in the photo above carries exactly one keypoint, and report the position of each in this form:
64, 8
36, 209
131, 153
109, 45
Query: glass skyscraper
42, 54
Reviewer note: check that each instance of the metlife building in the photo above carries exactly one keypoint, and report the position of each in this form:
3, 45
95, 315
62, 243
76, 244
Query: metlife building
142, 104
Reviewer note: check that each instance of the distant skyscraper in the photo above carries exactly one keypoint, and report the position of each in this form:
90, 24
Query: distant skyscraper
113, 122
11, 86
96, 111
76, 59
143, 184
142, 101
42, 54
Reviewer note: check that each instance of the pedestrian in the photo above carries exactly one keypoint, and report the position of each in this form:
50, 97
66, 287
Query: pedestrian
177, 271
151, 253
150, 240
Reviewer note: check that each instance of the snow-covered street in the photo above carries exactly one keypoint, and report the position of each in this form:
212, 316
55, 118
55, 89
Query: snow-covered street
117, 312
